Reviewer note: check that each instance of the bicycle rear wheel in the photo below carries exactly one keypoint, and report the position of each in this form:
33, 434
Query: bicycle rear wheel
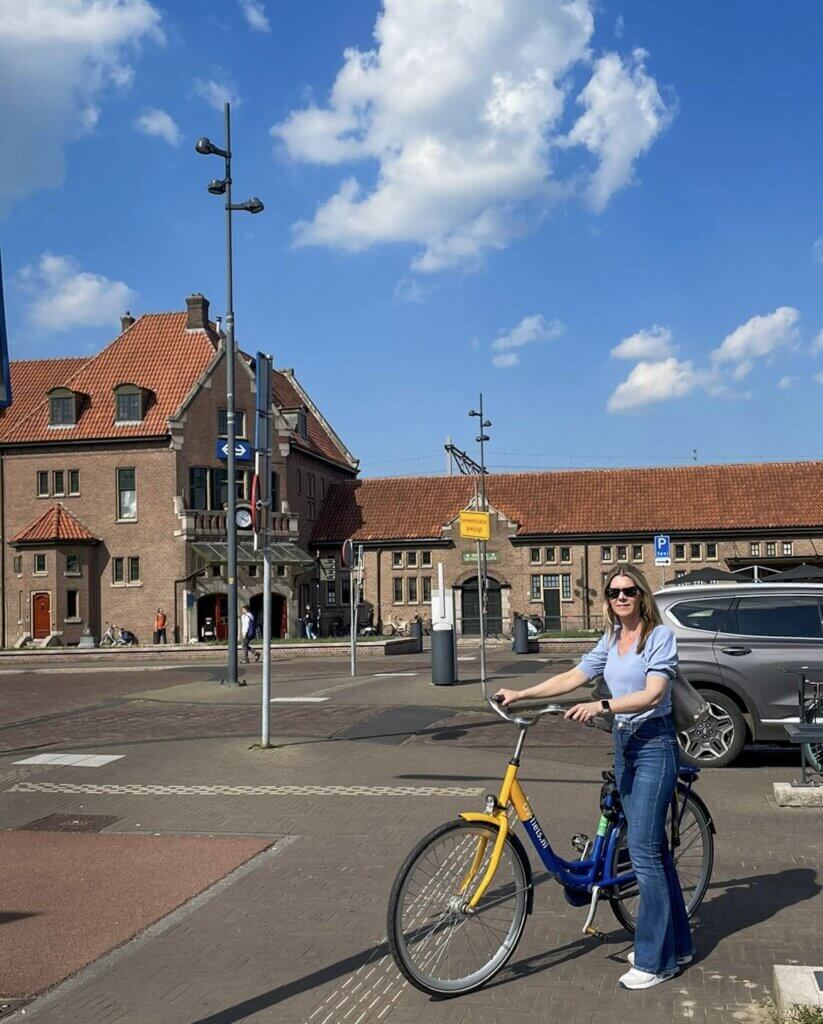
694, 859
438, 946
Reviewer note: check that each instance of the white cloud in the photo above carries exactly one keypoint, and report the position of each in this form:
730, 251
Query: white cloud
460, 107
409, 289
655, 382
217, 92
624, 115
817, 250
159, 123
255, 14
530, 329
756, 339
656, 343
819, 377
817, 344
58, 59
506, 359
786, 382
64, 297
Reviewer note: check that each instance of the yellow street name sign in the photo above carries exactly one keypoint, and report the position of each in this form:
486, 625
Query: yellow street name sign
475, 525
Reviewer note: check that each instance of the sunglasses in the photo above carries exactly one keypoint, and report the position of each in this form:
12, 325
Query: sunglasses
614, 592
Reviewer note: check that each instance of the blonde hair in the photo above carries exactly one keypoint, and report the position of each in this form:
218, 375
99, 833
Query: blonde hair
649, 615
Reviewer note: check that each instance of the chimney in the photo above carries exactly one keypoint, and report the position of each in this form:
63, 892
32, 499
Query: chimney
198, 312
126, 320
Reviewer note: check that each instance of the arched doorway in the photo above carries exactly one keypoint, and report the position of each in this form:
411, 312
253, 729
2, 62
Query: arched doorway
279, 614
471, 609
212, 611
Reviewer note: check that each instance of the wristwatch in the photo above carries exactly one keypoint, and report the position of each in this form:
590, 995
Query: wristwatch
605, 707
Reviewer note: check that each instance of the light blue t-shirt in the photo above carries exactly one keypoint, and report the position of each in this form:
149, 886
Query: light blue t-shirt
627, 673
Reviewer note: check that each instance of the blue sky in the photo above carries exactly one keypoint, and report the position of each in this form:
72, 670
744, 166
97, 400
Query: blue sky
481, 196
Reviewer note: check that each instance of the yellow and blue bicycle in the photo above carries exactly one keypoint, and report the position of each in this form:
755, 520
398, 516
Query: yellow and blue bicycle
459, 904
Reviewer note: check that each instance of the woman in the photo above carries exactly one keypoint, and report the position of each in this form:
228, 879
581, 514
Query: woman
637, 656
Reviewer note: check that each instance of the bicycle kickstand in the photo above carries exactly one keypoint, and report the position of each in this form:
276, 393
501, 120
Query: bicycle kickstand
588, 928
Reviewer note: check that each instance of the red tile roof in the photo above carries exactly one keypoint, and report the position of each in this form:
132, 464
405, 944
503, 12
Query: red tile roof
55, 524
607, 502
156, 352
321, 440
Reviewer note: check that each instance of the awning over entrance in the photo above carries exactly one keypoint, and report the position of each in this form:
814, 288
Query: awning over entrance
282, 553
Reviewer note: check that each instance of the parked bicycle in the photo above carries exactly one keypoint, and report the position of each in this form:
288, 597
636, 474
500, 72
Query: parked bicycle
118, 636
459, 903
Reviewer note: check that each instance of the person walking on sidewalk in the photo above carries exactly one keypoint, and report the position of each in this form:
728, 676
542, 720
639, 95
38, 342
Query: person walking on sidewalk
637, 657
247, 631
160, 622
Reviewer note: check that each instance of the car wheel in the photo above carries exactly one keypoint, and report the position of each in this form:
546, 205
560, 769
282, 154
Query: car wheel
717, 740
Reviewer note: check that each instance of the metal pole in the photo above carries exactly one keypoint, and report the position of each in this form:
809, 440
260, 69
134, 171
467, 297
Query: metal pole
265, 718
231, 471
353, 621
481, 555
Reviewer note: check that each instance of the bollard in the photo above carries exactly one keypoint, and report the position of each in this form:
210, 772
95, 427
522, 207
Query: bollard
521, 636
416, 633
443, 673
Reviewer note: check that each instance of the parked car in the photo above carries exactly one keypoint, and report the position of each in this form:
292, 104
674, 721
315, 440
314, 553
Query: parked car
735, 644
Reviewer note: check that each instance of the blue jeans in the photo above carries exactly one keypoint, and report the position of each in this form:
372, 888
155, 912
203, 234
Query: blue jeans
645, 764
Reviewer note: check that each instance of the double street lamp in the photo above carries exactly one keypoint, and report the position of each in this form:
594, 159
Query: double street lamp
222, 187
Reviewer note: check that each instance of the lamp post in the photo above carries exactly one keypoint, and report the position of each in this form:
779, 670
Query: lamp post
222, 187
481, 545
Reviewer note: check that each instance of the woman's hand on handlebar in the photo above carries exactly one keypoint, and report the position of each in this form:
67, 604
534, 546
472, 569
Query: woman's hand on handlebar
506, 697
584, 712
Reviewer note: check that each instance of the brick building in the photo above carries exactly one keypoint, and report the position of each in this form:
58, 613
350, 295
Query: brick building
112, 494
555, 536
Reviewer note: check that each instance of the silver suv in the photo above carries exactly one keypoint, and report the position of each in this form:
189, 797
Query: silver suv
734, 641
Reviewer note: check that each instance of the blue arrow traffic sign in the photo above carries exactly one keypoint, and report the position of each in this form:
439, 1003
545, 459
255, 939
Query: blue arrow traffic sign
242, 450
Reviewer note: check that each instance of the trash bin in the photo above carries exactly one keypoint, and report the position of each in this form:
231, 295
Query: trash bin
416, 633
521, 636
443, 673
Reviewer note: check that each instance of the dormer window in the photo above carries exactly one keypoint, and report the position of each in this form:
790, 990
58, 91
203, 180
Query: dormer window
64, 407
297, 421
302, 425
130, 403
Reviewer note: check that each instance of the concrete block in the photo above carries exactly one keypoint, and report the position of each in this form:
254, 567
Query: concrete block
796, 985
787, 795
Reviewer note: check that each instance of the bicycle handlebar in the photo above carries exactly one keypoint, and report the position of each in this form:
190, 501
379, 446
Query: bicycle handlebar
547, 709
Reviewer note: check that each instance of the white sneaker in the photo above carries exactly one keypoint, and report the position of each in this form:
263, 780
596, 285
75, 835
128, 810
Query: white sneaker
681, 960
636, 979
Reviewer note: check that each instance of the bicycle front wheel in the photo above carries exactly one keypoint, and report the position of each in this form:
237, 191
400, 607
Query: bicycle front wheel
694, 859
439, 945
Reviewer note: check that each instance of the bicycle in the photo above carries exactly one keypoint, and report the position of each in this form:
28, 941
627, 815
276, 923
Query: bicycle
459, 904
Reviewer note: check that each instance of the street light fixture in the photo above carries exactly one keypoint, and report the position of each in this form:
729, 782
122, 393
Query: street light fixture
219, 187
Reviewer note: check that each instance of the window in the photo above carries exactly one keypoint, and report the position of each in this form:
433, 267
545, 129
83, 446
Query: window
788, 547
778, 616
117, 575
331, 592
637, 552
72, 604
565, 554
711, 552
411, 584
397, 589
223, 423
695, 552
62, 410
754, 548
551, 554
345, 590
299, 482
535, 589
771, 549
534, 556
680, 552
18, 564
128, 407
43, 483
606, 553
566, 587
58, 483
39, 565
198, 487
622, 553
427, 588
74, 481
311, 510
275, 493
216, 570
134, 569
252, 570
310, 483
426, 559
302, 425
72, 564
551, 582
126, 494
411, 559
397, 559
704, 615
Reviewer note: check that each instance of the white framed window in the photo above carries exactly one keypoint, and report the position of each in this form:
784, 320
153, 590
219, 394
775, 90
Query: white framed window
134, 569
411, 559
711, 551
637, 552
771, 549
127, 494
695, 552
58, 483
427, 588
18, 565
565, 554
754, 548
40, 567
565, 587
74, 481
535, 592
606, 553
118, 576
72, 605
788, 547
72, 563
551, 554
397, 589
331, 592
42, 483
411, 588
397, 559
534, 556
680, 552
426, 559
223, 423
622, 553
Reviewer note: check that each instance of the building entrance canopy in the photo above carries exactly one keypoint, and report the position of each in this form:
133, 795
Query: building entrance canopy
282, 553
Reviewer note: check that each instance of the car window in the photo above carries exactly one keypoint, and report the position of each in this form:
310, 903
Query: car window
777, 616
708, 615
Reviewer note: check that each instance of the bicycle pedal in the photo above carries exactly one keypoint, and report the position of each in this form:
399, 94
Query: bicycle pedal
580, 841
596, 933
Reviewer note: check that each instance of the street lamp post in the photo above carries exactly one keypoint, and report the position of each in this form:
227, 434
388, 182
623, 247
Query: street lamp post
482, 570
220, 187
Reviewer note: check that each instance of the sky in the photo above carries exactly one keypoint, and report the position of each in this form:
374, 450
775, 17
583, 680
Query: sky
606, 217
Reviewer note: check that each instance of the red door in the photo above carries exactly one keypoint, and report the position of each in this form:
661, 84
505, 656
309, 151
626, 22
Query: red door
41, 616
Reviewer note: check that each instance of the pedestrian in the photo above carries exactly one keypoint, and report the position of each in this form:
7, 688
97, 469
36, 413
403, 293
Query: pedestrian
637, 657
160, 621
247, 631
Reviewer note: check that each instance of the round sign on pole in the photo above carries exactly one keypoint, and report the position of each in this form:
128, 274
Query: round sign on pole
347, 554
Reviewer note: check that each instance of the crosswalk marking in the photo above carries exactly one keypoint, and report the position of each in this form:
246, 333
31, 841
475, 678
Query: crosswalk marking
134, 789
72, 760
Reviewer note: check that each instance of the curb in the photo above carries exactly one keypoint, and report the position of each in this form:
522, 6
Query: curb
788, 795
796, 985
